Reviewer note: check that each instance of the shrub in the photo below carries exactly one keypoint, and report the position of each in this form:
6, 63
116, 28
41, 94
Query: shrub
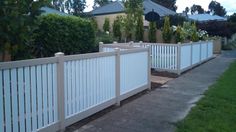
174, 20
152, 32
139, 29
117, 28
68, 34
194, 33
106, 25
106, 38
166, 33
94, 24
179, 35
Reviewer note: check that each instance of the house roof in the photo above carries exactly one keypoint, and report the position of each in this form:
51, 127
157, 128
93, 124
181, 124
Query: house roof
206, 17
118, 7
111, 8
47, 10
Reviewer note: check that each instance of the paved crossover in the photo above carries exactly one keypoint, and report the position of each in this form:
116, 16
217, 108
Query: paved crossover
160, 109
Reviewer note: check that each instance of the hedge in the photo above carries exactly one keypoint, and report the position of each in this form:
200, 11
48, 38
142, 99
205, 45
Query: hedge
67, 34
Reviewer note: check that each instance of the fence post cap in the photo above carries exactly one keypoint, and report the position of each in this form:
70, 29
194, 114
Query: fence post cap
58, 54
140, 41
100, 42
179, 42
117, 49
115, 42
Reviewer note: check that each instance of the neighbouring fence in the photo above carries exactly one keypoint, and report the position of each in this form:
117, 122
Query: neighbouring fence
51, 93
175, 58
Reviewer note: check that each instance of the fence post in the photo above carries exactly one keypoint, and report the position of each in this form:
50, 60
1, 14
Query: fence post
60, 91
149, 68
179, 59
200, 51
191, 55
100, 46
207, 43
118, 89
114, 42
141, 44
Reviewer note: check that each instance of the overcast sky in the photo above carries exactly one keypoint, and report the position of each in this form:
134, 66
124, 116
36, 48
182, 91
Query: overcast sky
230, 5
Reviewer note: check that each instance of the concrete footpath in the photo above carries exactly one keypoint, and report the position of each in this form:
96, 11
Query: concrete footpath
160, 109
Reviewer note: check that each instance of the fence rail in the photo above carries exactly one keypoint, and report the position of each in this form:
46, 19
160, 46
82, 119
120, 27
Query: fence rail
52, 93
175, 58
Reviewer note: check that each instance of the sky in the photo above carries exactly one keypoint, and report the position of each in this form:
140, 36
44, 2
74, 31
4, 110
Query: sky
230, 5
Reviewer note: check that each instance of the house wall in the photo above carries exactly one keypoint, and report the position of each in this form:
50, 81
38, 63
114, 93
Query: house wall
101, 19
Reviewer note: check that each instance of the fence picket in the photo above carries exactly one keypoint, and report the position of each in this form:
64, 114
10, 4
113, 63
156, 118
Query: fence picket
1, 103
14, 100
7, 98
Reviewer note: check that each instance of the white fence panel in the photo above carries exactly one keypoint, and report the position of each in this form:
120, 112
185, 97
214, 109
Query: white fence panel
210, 47
185, 56
88, 83
196, 53
163, 56
134, 71
23, 102
203, 51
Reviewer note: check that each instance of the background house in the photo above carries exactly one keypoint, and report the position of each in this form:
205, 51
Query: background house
117, 8
206, 18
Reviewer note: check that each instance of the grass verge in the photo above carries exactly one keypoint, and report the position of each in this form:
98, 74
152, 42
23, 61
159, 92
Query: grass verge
216, 112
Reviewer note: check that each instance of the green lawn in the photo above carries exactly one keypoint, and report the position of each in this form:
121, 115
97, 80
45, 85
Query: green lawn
216, 112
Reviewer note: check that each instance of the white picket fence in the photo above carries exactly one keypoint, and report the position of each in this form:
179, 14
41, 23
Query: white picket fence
175, 58
51, 93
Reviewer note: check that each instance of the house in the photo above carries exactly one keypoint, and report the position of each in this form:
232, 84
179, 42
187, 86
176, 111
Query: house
206, 17
117, 8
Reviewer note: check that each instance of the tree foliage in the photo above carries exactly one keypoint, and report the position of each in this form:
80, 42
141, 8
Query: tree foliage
152, 32
99, 3
17, 22
139, 29
74, 7
106, 25
170, 4
217, 9
68, 34
197, 9
174, 20
117, 28
166, 33
134, 12
232, 18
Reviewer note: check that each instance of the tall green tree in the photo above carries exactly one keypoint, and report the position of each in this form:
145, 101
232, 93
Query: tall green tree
134, 12
139, 29
216, 8
74, 7
17, 22
58, 5
232, 18
117, 28
106, 25
197, 9
99, 3
152, 32
166, 33
170, 4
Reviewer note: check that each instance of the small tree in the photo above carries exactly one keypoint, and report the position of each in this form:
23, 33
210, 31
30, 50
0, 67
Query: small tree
152, 32
94, 24
194, 35
179, 36
106, 25
117, 28
139, 29
166, 33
